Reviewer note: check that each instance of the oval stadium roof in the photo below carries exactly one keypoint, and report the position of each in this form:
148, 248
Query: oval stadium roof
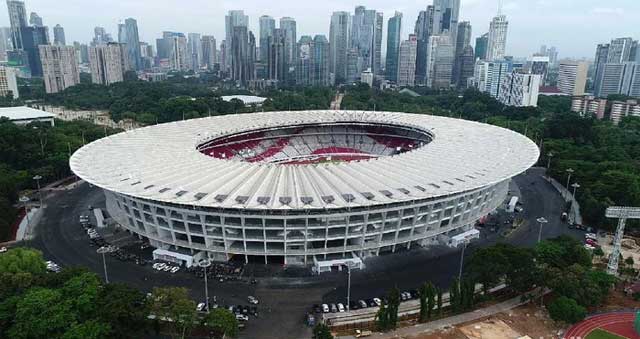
162, 163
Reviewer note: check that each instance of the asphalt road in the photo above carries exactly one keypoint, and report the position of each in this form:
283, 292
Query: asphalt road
284, 300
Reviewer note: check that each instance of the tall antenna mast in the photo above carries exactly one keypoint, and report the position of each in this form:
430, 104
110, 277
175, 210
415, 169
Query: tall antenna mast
499, 7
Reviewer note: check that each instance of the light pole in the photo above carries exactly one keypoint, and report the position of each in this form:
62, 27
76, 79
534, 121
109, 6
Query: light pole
24, 200
102, 250
464, 247
549, 156
348, 285
37, 179
575, 187
541, 221
204, 263
570, 171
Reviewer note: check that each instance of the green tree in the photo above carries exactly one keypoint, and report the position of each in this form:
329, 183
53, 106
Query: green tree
173, 305
222, 322
488, 266
91, 329
321, 331
124, 308
41, 313
566, 310
439, 300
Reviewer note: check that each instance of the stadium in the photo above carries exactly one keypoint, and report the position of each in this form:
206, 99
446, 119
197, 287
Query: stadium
299, 188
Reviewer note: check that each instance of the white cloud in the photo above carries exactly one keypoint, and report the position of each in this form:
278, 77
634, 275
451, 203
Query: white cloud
614, 11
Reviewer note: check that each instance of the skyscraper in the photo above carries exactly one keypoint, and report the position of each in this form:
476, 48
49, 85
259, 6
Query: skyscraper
572, 77
320, 55
288, 27
445, 18
394, 29
8, 82
59, 67
610, 57
35, 19
407, 61
235, 18
339, 43
31, 37
128, 34
58, 35
497, 40
481, 46
5, 42
465, 63
209, 52
440, 59
462, 41
276, 69
101, 36
619, 78
520, 89
423, 30
240, 55
366, 38
194, 50
304, 63
17, 19
178, 54
267, 25
105, 62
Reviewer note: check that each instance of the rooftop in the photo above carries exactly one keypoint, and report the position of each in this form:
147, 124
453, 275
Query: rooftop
24, 113
247, 99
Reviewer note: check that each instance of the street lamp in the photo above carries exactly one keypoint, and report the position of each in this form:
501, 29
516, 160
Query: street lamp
37, 179
348, 285
541, 221
570, 171
549, 156
204, 263
102, 250
464, 247
24, 200
575, 187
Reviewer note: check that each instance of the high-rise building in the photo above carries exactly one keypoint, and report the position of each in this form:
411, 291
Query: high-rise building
82, 52
32, 37
101, 37
497, 39
209, 54
589, 105
235, 18
35, 20
462, 41
58, 35
619, 78
550, 52
520, 89
394, 29
481, 46
320, 56
5, 42
276, 58
440, 59
465, 63
339, 43
304, 63
17, 20
619, 51
106, 63
128, 34
572, 77
366, 38
194, 50
423, 30
178, 55
267, 25
445, 18
288, 27
59, 67
621, 109
539, 65
488, 75
407, 61
241, 60
8, 82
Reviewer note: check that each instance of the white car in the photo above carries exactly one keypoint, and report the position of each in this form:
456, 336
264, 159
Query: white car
591, 236
242, 317
167, 268
589, 247
3, 249
377, 301
325, 308
340, 307
175, 269
253, 300
159, 266
201, 307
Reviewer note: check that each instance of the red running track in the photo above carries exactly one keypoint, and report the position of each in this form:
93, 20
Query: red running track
614, 322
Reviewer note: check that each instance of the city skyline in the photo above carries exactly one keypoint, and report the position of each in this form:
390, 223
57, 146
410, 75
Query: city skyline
525, 30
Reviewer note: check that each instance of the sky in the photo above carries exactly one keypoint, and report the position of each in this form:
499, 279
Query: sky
575, 27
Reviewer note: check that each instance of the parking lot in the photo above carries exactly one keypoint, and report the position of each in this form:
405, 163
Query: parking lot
286, 294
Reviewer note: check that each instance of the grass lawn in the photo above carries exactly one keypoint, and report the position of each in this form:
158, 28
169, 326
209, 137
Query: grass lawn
602, 334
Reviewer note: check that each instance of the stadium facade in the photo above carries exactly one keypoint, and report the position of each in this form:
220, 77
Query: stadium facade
299, 187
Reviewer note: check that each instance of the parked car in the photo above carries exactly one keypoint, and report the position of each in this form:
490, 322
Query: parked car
362, 304
591, 236
316, 308
377, 301
3, 249
589, 247
175, 269
334, 308
252, 300
341, 307
201, 307
325, 308
242, 317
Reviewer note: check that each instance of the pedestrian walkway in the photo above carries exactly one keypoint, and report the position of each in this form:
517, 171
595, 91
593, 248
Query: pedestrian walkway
574, 214
450, 321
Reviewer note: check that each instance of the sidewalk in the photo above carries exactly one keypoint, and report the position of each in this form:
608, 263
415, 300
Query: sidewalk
574, 215
448, 322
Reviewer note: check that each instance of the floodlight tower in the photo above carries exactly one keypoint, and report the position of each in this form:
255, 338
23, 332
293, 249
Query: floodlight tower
622, 213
